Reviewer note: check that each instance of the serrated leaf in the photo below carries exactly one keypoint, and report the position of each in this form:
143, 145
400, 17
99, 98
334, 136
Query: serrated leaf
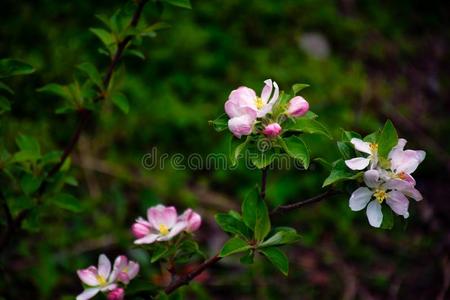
12, 67
5, 105
282, 237
121, 101
297, 149
255, 215
232, 225
232, 246
91, 71
340, 172
298, 87
387, 139
180, 3
308, 126
67, 202
262, 159
236, 147
220, 123
277, 258
346, 149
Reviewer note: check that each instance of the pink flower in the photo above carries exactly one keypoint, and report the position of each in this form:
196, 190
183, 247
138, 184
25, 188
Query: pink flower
125, 270
163, 224
393, 192
141, 228
244, 107
273, 129
360, 163
116, 294
405, 162
193, 220
98, 279
297, 107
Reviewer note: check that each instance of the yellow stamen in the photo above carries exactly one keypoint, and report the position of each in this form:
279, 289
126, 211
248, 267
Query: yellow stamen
101, 280
373, 148
380, 195
259, 103
163, 229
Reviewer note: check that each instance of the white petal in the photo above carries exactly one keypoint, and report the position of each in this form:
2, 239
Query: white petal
360, 198
374, 214
104, 266
147, 239
358, 163
267, 90
372, 178
361, 146
179, 227
88, 294
109, 287
275, 95
398, 203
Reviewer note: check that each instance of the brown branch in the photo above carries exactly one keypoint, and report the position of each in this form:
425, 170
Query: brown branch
83, 115
185, 279
288, 207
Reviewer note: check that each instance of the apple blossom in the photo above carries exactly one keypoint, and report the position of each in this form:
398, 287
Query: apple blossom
193, 220
360, 163
98, 279
241, 125
297, 107
141, 228
273, 129
404, 162
392, 191
163, 224
116, 294
125, 270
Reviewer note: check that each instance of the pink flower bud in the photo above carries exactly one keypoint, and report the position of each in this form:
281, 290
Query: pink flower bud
193, 220
242, 125
140, 230
297, 107
116, 294
273, 129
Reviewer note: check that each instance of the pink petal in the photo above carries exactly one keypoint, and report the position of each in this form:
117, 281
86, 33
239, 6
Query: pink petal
359, 198
133, 269
272, 130
372, 178
149, 239
88, 294
88, 276
374, 214
161, 215
361, 146
398, 203
104, 266
267, 90
242, 125
297, 106
358, 163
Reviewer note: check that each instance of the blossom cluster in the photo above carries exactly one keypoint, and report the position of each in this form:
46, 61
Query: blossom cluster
103, 279
387, 181
245, 109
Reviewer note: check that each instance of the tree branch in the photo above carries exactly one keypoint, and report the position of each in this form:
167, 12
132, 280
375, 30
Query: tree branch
288, 207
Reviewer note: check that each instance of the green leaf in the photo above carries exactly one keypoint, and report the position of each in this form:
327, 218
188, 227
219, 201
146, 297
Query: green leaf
277, 258
340, 172
232, 246
158, 252
220, 123
230, 224
121, 101
180, 3
387, 139
236, 147
28, 143
22, 156
373, 137
29, 184
56, 89
255, 214
91, 71
388, 217
66, 201
348, 135
308, 126
262, 159
282, 237
4, 105
297, 149
346, 149
298, 87
134, 52
6, 88
12, 67
247, 258
106, 37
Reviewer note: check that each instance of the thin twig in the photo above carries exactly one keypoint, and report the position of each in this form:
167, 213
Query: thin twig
288, 207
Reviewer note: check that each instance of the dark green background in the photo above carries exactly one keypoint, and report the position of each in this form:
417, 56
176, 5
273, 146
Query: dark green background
387, 59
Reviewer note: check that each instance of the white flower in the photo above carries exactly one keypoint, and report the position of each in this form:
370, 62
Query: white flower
360, 163
392, 191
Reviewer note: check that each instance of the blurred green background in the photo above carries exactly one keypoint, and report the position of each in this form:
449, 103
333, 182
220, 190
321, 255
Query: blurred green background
366, 61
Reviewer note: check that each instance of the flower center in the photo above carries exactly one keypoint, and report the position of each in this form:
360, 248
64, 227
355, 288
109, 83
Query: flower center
373, 148
259, 103
101, 280
163, 229
380, 195
401, 175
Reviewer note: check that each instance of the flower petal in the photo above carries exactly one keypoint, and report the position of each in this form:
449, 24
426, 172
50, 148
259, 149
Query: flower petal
374, 214
161, 215
88, 276
266, 91
361, 146
176, 229
133, 269
109, 287
242, 125
398, 203
149, 239
104, 266
360, 198
357, 163
407, 161
276, 94
88, 294
372, 178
